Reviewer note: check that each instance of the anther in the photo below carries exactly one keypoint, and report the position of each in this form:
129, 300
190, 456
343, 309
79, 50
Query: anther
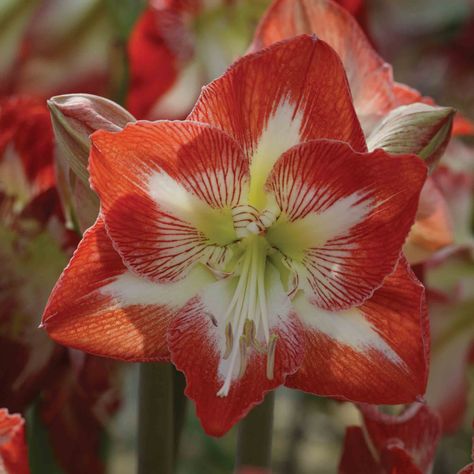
243, 355
271, 356
229, 340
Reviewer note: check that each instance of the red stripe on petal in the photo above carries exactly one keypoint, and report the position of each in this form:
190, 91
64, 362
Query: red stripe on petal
83, 312
382, 359
356, 209
194, 346
296, 86
154, 181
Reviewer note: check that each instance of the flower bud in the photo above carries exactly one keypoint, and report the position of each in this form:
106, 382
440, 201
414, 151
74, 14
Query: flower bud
75, 117
417, 128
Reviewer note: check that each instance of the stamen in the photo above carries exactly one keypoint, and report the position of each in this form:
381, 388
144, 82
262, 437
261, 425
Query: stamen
243, 355
249, 331
271, 356
229, 340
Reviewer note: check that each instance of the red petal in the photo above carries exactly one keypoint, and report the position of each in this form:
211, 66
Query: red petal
87, 310
356, 455
193, 341
361, 208
201, 162
433, 228
418, 429
13, 452
396, 460
25, 125
462, 126
153, 66
382, 358
197, 161
291, 92
370, 78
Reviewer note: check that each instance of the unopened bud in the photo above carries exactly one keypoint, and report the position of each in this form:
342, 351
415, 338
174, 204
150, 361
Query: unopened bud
418, 129
75, 117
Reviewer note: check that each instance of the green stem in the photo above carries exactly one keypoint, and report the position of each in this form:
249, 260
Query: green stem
155, 419
254, 439
179, 409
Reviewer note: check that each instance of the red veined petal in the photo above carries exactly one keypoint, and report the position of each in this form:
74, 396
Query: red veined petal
197, 344
356, 456
98, 306
163, 182
349, 214
292, 92
370, 78
13, 451
377, 353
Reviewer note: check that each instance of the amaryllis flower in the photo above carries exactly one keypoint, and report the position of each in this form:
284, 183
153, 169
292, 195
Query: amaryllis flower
13, 452
256, 243
389, 444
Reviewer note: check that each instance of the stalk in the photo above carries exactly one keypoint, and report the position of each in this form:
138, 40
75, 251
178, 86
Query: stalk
155, 419
254, 439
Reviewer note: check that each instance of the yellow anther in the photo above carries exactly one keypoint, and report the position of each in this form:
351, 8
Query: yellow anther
271, 356
229, 340
249, 331
243, 355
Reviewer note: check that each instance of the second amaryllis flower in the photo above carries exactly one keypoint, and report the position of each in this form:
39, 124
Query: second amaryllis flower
256, 243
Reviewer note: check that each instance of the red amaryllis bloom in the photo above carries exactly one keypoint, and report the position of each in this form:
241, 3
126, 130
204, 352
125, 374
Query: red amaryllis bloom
256, 243
13, 453
388, 444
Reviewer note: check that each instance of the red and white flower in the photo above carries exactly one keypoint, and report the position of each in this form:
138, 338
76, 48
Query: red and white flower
254, 244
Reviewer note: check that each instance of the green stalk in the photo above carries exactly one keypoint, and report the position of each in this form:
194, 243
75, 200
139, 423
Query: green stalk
155, 419
179, 409
254, 439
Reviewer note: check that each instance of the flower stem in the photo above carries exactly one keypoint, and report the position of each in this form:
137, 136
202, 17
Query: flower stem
254, 439
155, 419
179, 409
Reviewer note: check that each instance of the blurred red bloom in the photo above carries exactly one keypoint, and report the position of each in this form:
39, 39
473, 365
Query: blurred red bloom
387, 444
35, 246
253, 245
54, 46
13, 452
178, 46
